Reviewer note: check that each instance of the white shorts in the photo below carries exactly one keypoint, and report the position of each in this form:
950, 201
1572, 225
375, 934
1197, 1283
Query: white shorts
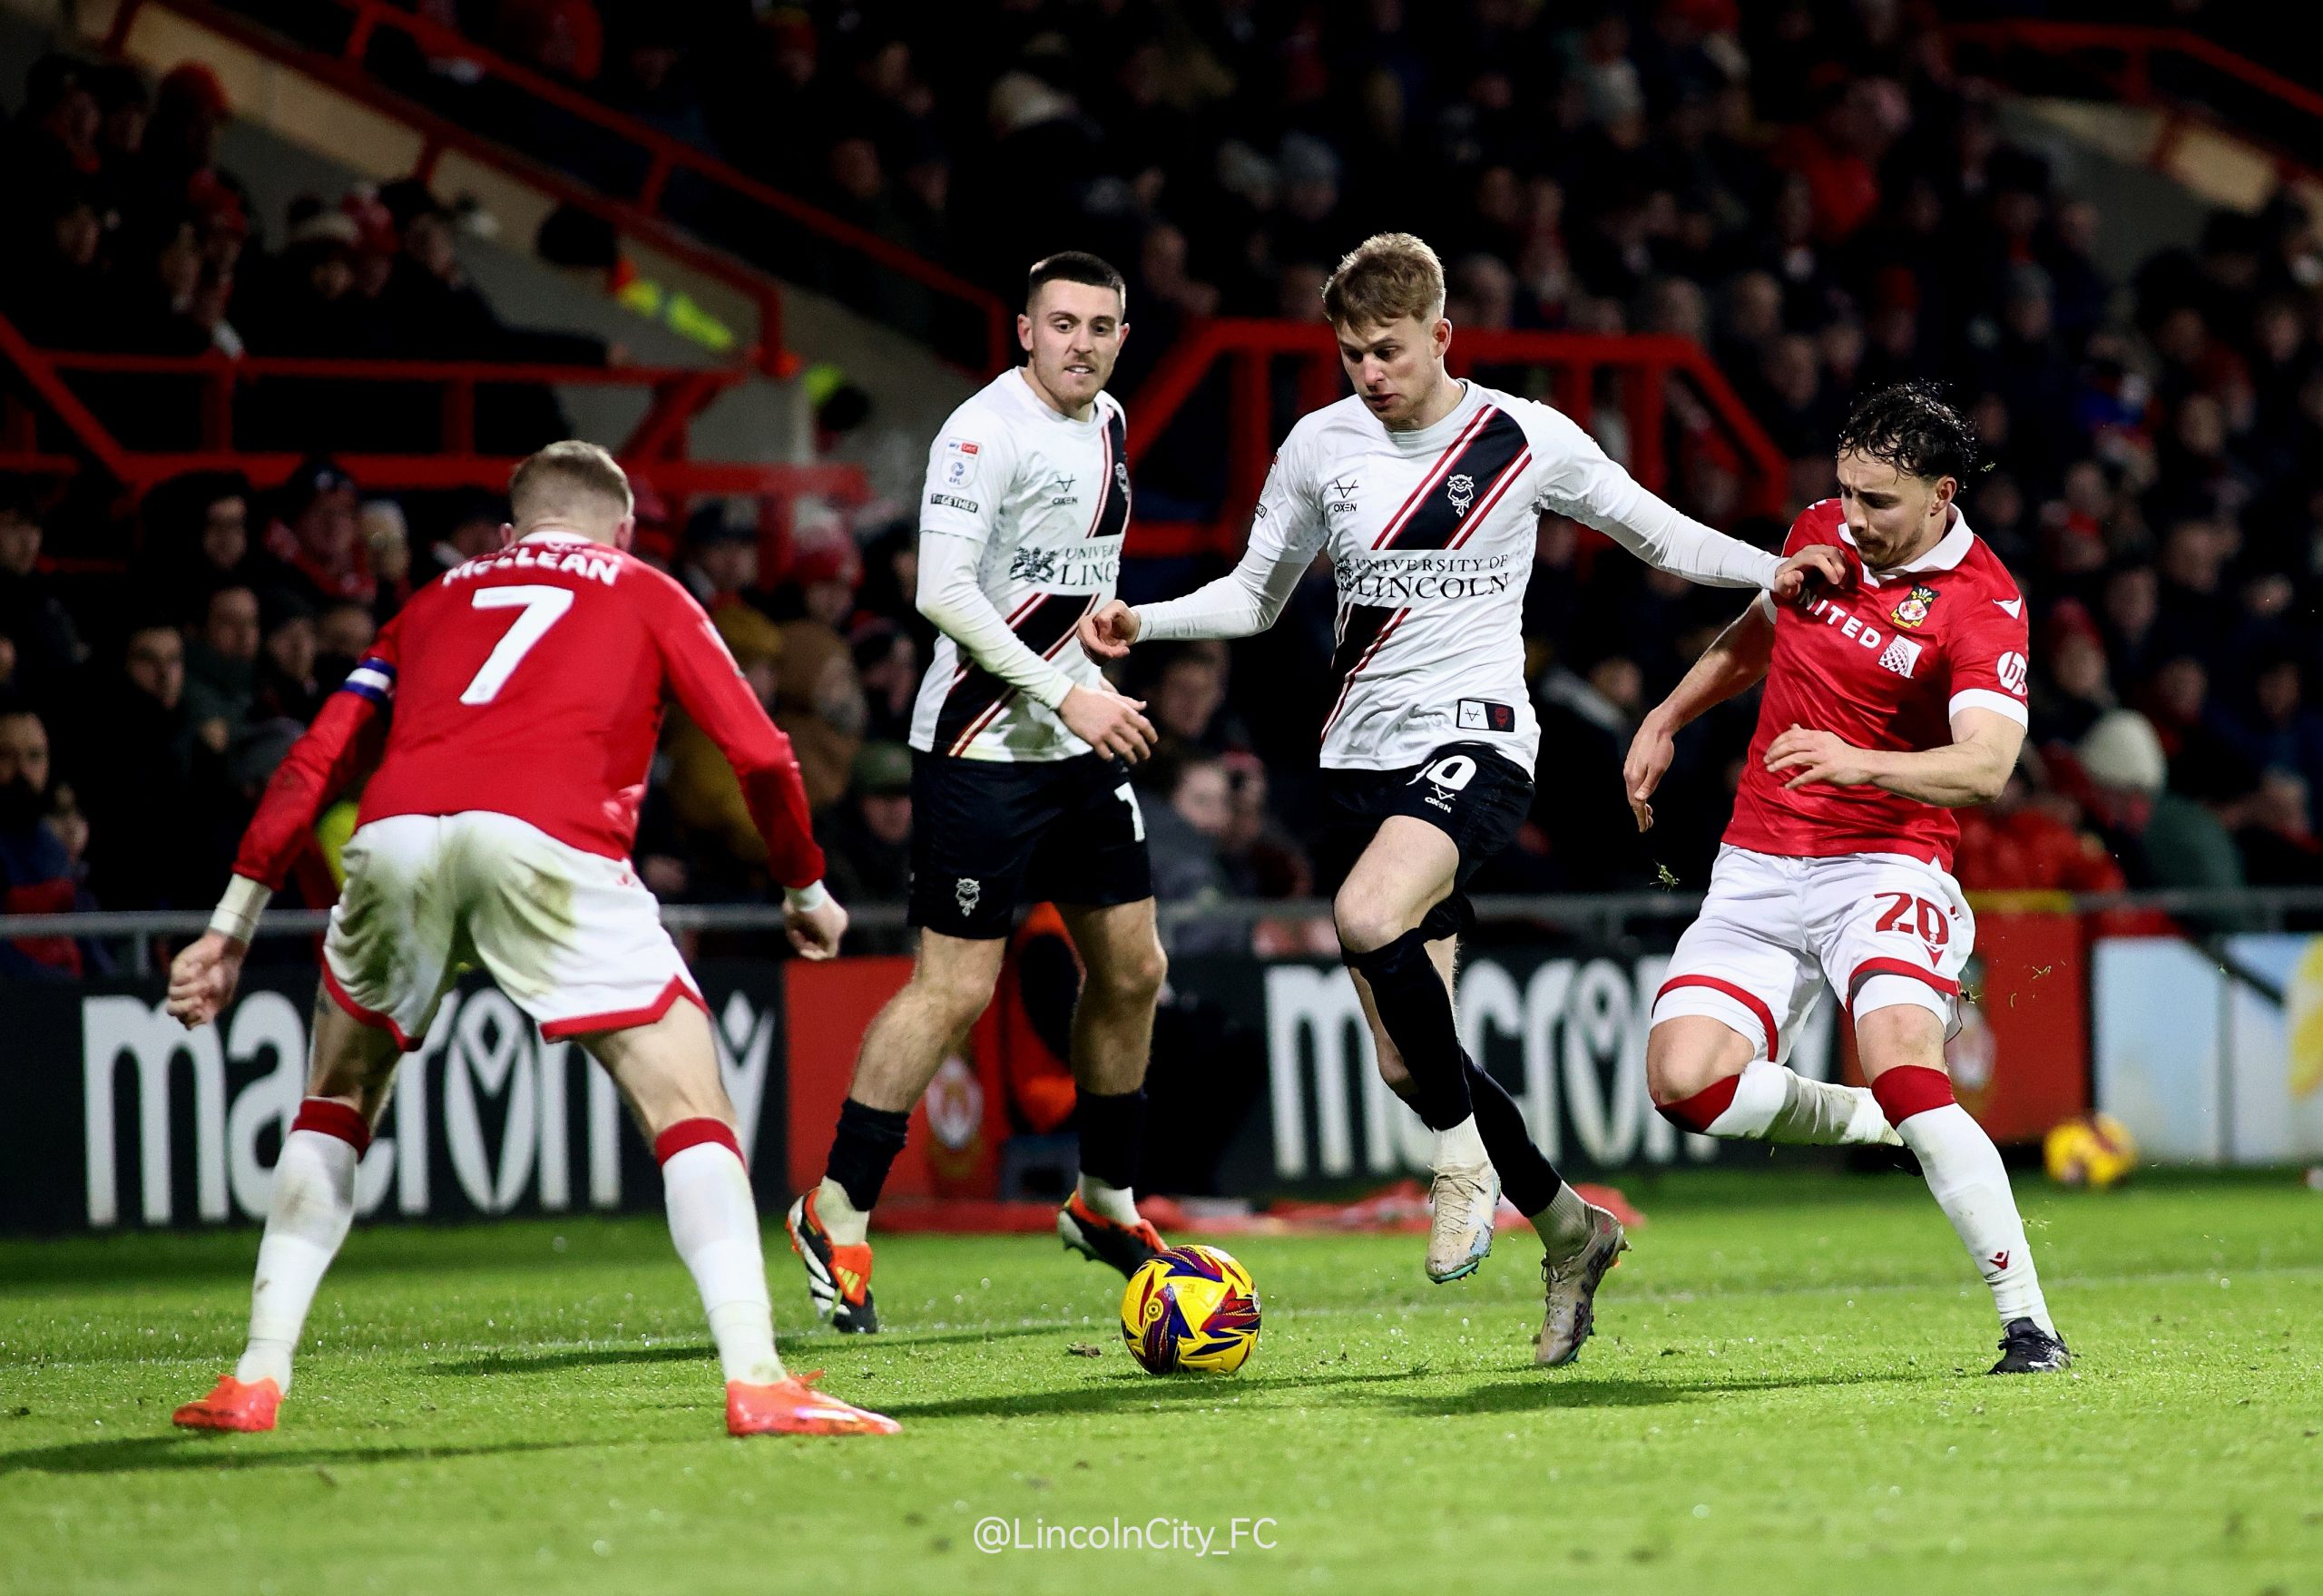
1881, 928
574, 938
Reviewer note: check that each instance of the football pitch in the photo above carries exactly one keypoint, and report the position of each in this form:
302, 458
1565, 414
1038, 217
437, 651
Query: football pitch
1786, 1393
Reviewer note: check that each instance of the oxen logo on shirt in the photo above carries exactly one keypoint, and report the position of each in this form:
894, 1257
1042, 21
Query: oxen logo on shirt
1462, 491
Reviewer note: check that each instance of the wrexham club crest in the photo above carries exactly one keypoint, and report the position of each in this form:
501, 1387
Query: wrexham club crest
1912, 613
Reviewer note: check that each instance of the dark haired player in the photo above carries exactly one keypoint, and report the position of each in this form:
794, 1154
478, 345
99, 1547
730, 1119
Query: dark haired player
1888, 704
1020, 782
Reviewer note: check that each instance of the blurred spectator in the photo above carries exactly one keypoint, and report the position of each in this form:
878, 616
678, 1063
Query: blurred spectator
48, 646
38, 873
318, 536
820, 703
1182, 834
705, 796
161, 810
866, 840
721, 559
221, 666
2161, 838
886, 661
287, 687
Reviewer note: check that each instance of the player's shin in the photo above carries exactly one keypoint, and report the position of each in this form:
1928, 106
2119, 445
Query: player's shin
1416, 1010
306, 1220
1111, 1125
862, 1149
714, 1221
1969, 1183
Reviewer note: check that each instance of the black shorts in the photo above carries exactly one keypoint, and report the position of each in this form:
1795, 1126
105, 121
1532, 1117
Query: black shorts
1470, 791
988, 836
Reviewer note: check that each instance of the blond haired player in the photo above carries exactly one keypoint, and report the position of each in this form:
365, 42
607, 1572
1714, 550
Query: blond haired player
1889, 703
511, 709
1425, 490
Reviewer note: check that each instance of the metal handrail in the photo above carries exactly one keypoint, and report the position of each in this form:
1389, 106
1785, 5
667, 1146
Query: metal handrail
1568, 909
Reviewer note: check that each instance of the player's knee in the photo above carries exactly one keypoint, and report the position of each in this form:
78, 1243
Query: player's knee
1900, 1033
1676, 1066
1132, 979
953, 998
1365, 923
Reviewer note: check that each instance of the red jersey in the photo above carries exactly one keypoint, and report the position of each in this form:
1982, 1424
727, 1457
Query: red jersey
529, 682
1884, 664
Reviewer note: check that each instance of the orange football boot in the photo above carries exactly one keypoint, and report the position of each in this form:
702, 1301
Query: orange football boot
1092, 1235
838, 1277
232, 1405
794, 1407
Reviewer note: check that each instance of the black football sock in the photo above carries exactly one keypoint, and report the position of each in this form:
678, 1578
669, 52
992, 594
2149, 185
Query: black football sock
866, 1145
1111, 1124
1416, 1010
1527, 1179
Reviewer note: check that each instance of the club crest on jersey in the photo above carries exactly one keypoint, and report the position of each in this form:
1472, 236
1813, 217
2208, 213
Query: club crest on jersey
1121, 476
968, 892
1462, 491
1912, 613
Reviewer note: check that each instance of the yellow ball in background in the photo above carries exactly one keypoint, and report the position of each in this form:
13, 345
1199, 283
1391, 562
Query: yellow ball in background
2095, 1151
1191, 1308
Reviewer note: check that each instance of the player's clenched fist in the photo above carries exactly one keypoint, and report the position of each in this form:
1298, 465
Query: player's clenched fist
202, 978
1816, 563
1108, 633
1108, 722
815, 931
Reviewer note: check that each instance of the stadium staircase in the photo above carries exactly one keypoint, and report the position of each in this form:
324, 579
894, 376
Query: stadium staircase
2227, 129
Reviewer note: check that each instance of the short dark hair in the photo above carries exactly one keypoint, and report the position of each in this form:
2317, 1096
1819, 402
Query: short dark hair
1074, 266
1912, 427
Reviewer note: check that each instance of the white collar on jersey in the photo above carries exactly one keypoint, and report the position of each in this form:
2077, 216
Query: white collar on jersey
555, 534
1949, 550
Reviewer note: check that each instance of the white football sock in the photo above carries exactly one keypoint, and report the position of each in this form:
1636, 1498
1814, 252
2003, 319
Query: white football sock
714, 1221
1971, 1186
307, 1218
1564, 1225
1116, 1203
1773, 1102
1462, 1147
847, 1225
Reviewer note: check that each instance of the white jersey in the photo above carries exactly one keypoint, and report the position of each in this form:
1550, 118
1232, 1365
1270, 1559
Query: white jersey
1431, 539
1020, 530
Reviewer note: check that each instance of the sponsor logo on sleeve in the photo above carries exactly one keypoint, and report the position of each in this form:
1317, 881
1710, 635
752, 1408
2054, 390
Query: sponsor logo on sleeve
2013, 670
955, 502
956, 466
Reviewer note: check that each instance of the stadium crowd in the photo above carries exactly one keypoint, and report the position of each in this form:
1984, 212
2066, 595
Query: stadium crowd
1810, 190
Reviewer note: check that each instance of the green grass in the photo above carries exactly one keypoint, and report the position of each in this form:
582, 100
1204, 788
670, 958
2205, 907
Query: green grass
1786, 1393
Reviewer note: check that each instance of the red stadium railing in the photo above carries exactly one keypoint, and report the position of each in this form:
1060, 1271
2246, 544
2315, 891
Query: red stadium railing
1249, 354
656, 450
644, 214
2192, 79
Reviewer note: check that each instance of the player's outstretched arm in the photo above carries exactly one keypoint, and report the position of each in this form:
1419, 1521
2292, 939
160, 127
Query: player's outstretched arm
1587, 485
1729, 666
1970, 770
1244, 601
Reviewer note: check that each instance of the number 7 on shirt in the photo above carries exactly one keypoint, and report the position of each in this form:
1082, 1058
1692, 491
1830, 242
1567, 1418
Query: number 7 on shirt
542, 608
